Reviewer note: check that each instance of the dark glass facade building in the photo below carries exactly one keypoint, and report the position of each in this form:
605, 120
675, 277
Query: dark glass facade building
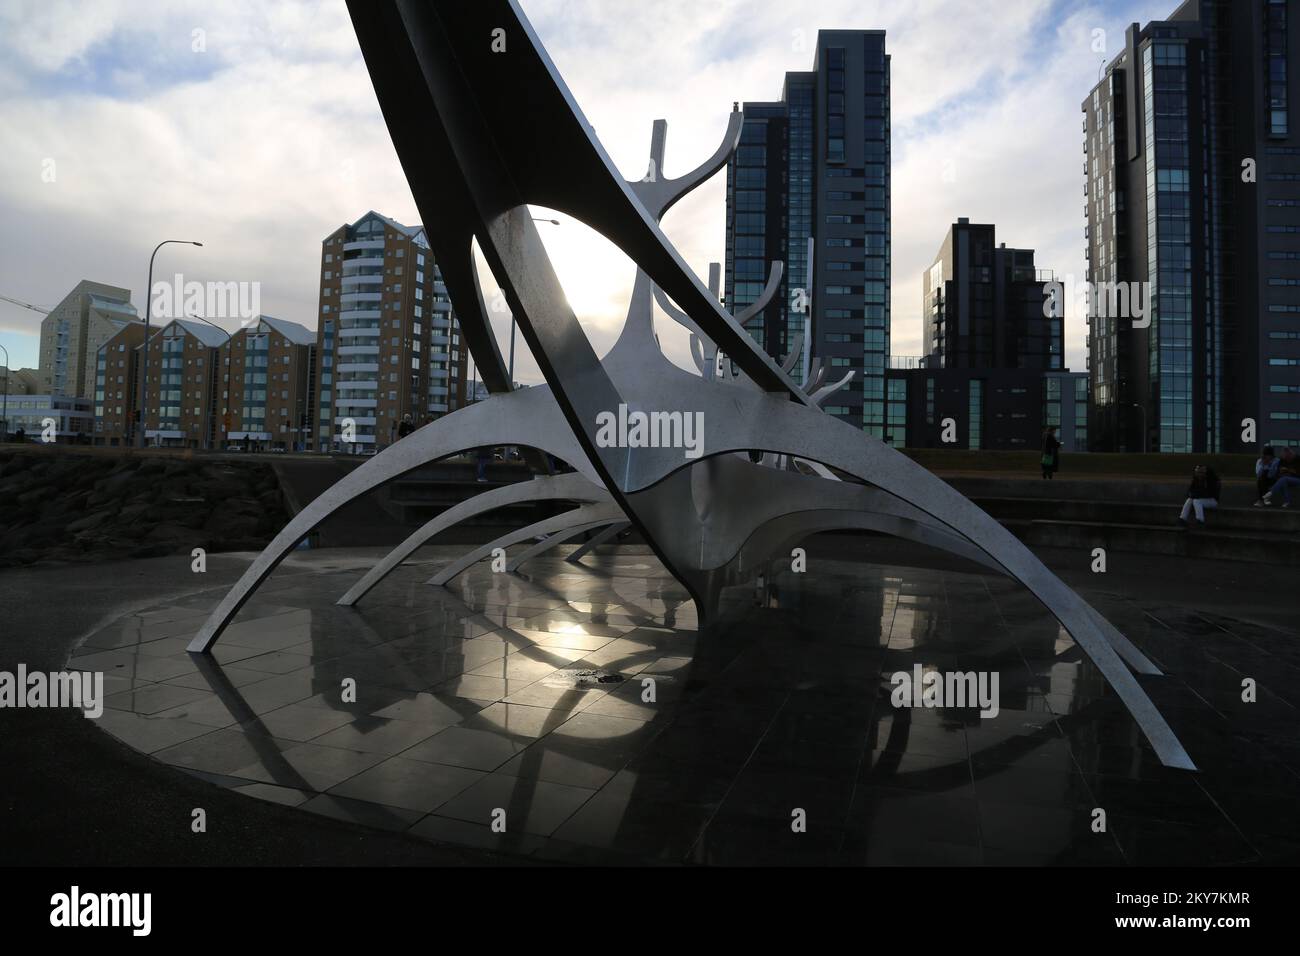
983, 305
815, 165
1193, 186
994, 409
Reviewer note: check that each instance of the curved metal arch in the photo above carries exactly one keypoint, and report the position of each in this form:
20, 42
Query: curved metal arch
771, 538
824, 392
674, 313
557, 538
704, 363
570, 487
613, 531
894, 473
515, 418
775, 536
775, 273
796, 352
659, 194
595, 515
938, 534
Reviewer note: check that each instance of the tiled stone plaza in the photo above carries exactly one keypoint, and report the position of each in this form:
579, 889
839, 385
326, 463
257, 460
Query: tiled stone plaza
525, 694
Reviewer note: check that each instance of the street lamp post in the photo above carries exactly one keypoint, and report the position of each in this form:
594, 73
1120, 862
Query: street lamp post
4, 415
1143, 410
144, 355
229, 341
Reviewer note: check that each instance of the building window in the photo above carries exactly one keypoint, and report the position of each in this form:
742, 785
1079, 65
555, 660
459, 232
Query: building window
1275, 68
976, 410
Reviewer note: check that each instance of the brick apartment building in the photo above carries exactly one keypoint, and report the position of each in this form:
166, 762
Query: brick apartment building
387, 340
266, 385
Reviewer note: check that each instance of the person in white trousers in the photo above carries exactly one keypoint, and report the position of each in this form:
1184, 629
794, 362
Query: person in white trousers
1203, 493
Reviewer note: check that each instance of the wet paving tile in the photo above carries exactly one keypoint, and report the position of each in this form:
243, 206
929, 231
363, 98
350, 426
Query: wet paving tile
223, 751
308, 766
296, 722
378, 735
567, 764
587, 714
410, 784
153, 698
368, 813
513, 803
465, 747
149, 734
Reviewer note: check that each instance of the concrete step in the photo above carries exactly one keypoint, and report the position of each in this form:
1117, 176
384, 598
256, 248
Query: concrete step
1263, 521
423, 494
1165, 539
1238, 492
363, 522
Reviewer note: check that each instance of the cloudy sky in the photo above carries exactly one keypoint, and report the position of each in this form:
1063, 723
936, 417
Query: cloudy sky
253, 128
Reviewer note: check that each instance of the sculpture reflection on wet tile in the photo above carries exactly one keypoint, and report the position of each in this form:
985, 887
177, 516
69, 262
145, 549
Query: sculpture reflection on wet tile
477, 154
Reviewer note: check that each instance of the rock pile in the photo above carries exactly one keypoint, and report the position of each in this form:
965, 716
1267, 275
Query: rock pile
74, 507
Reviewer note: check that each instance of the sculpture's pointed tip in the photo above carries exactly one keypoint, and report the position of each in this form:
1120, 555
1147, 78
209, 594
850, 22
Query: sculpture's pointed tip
1183, 762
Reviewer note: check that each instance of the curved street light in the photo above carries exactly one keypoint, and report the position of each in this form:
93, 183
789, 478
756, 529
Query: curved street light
4, 415
229, 341
1143, 410
199, 318
144, 356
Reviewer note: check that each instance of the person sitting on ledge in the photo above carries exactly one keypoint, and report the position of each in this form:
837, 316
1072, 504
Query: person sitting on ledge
1201, 494
1265, 473
1288, 477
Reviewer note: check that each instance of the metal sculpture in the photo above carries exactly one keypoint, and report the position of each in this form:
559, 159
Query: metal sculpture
485, 127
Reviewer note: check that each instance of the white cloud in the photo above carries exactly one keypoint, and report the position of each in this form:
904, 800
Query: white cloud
264, 143
49, 34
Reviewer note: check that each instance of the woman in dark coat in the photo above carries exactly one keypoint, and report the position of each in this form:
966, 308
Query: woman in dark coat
1051, 459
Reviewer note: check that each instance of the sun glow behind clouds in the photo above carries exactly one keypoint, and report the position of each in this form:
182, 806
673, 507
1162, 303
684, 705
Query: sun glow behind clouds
595, 273
269, 139
597, 279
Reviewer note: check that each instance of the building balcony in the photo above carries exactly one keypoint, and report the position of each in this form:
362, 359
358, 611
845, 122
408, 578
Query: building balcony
358, 245
357, 367
359, 385
343, 403
348, 315
354, 350
347, 280
362, 262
